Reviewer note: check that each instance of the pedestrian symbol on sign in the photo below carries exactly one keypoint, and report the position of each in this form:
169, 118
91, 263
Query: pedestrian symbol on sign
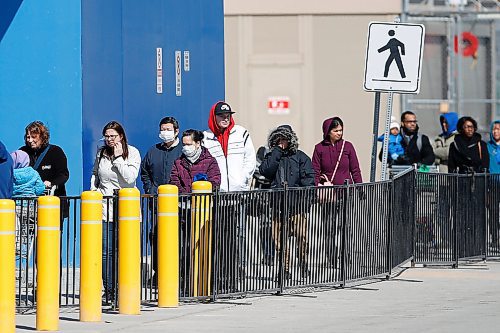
394, 45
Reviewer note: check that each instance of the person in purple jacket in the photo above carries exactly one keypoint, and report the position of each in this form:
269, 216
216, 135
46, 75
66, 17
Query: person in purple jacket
334, 162
194, 163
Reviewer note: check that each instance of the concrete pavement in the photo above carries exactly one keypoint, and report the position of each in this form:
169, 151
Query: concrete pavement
466, 299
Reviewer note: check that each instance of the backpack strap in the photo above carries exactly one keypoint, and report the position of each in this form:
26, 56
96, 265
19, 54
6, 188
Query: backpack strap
419, 142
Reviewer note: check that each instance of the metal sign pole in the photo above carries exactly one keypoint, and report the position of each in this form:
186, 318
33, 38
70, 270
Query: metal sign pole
386, 136
376, 115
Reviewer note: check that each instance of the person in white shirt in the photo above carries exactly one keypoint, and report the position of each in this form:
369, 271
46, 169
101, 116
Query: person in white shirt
233, 149
116, 166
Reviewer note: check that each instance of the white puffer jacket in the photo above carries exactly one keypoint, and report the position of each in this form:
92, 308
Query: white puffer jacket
237, 169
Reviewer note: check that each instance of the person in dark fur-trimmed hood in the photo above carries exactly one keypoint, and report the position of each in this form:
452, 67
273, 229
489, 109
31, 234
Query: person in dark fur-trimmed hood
286, 163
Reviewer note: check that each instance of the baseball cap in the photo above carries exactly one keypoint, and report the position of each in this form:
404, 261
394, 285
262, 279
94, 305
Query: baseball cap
223, 107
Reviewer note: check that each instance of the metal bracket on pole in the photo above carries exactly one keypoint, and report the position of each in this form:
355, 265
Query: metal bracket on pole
376, 115
386, 136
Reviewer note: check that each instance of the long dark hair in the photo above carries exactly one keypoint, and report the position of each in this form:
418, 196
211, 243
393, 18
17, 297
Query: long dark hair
119, 129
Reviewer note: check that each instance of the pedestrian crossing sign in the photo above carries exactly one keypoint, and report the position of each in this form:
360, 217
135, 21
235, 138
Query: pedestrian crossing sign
394, 57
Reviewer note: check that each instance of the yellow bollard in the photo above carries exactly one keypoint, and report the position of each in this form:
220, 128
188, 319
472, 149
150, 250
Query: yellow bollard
7, 266
90, 256
168, 246
48, 256
129, 251
201, 238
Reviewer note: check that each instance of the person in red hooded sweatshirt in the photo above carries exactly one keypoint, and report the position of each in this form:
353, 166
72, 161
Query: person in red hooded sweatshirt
334, 162
232, 147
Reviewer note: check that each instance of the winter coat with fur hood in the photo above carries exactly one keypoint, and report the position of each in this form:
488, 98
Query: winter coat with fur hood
291, 165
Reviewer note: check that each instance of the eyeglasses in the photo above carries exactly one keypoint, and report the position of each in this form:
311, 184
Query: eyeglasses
110, 137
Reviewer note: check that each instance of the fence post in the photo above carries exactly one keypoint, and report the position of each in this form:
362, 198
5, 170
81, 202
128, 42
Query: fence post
90, 256
7, 266
283, 229
217, 237
168, 246
48, 256
343, 270
455, 223
390, 223
129, 251
485, 254
413, 214
201, 237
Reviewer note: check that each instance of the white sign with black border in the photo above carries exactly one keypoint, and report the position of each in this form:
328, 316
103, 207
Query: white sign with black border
178, 73
394, 57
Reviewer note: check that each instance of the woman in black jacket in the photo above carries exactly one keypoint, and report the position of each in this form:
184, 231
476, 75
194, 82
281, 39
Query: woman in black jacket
468, 153
49, 160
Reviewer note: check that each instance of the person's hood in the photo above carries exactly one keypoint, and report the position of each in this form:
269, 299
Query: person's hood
284, 131
4, 154
212, 122
23, 175
452, 120
327, 124
492, 141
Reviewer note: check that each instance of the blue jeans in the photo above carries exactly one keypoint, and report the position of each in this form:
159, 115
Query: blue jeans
109, 250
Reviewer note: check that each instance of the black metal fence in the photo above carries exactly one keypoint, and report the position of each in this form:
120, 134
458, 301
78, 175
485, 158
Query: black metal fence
270, 241
457, 217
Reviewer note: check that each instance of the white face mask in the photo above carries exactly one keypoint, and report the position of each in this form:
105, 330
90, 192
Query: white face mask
189, 151
167, 136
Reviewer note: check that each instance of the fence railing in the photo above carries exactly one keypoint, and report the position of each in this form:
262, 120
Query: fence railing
271, 241
457, 217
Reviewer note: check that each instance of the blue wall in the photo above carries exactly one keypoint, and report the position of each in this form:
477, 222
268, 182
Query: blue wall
76, 65
119, 41
40, 75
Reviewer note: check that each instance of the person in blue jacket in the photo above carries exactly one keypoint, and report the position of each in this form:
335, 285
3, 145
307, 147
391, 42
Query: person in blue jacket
6, 173
395, 148
494, 147
27, 182
494, 206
